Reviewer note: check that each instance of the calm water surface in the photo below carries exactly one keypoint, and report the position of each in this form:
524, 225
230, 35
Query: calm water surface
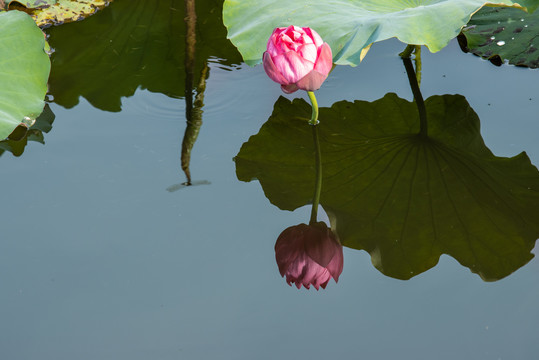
98, 260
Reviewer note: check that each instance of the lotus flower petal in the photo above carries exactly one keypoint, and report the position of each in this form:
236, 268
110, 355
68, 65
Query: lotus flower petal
317, 40
289, 89
335, 266
292, 66
308, 52
312, 81
322, 243
273, 73
324, 63
289, 251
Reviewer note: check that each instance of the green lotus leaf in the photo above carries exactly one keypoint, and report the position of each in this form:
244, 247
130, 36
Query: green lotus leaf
403, 197
24, 73
16, 143
55, 12
350, 26
32, 4
503, 35
134, 44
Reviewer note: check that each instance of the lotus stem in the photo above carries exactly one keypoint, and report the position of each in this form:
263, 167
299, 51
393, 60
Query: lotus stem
418, 98
193, 127
194, 123
314, 103
318, 181
417, 60
407, 52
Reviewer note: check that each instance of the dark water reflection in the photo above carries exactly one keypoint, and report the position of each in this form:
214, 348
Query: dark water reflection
403, 197
161, 46
136, 44
405, 181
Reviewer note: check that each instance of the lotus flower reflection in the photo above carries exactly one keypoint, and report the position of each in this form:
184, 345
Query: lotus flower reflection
309, 255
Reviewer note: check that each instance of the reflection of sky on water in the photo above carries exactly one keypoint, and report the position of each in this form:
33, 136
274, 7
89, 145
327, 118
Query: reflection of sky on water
99, 262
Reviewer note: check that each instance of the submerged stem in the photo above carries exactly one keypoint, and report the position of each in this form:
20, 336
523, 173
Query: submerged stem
318, 182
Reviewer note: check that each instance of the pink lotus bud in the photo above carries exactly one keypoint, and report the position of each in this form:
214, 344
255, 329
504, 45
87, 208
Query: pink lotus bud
309, 255
297, 58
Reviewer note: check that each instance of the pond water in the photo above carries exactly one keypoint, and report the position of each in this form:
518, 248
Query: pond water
104, 254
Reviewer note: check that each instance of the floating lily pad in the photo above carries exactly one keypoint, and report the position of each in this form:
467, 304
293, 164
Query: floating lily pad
17, 144
404, 198
503, 34
134, 44
24, 72
350, 26
31, 4
55, 12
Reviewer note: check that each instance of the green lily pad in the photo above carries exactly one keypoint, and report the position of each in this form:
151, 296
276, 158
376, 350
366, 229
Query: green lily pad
25, 70
32, 4
55, 12
503, 35
134, 44
350, 26
404, 198
66, 11
17, 144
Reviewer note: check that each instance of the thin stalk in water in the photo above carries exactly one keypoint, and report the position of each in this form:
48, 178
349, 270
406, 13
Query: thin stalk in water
418, 98
318, 181
318, 158
194, 123
193, 113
